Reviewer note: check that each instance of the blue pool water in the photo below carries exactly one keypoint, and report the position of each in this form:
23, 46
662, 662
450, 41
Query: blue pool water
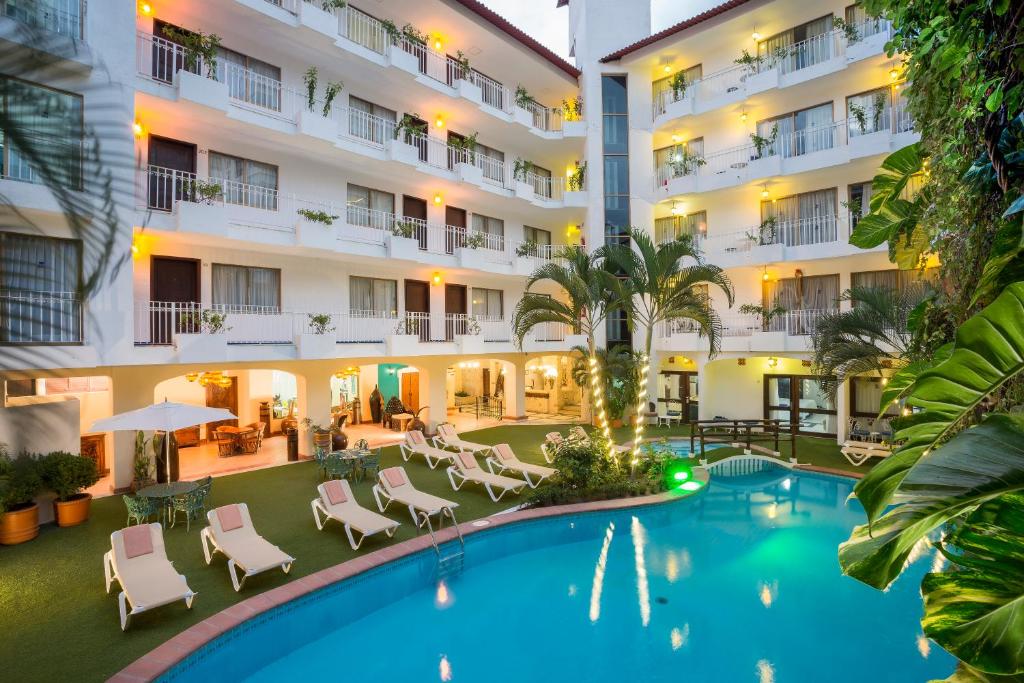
738, 583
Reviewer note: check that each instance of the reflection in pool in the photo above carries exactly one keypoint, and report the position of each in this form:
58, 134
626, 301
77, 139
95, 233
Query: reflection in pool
738, 583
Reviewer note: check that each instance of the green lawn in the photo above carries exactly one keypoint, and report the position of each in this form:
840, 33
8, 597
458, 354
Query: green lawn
58, 624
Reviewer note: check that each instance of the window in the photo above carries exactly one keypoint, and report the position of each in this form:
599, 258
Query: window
369, 208
40, 279
663, 85
250, 80
857, 16
800, 132
798, 399
487, 303
537, 236
803, 298
540, 178
913, 282
492, 161
679, 160
51, 121
370, 295
370, 121
246, 289
806, 218
492, 228
866, 397
66, 21
671, 227
244, 181
799, 47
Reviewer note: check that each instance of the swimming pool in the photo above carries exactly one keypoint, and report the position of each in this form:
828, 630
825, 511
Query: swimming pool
738, 583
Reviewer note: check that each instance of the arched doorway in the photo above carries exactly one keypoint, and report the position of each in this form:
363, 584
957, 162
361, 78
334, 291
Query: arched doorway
551, 390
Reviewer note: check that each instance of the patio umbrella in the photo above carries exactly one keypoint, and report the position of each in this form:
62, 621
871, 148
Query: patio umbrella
166, 417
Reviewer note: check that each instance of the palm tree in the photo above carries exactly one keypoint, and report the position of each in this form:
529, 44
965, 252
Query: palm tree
866, 338
584, 283
656, 287
616, 379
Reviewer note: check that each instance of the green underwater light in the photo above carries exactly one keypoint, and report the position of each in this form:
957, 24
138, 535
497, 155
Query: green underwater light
679, 474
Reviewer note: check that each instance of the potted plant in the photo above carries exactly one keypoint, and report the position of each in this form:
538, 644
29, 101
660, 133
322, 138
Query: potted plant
523, 98
205, 191
577, 177
765, 314
331, 92
527, 248
473, 240
683, 163
67, 474
142, 464
764, 145
310, 79
200, 49
750, 63
860, 116
849, 30
318, 216
320, 323
411, 34
521, 168
19, 513
404, 229
678, 85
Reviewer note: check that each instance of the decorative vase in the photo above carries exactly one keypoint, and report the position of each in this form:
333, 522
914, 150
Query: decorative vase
74, 511
375, 404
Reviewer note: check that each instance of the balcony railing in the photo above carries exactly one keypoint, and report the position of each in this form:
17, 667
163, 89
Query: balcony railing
31, 317
800, 322
63, 17
791, 58
158, 322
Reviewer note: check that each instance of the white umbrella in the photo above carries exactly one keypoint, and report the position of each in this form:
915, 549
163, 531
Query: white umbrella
166, 417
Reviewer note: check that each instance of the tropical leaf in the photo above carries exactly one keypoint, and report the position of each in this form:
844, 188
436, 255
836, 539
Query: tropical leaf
892, 213
902, 381
965, 674
1005, 264
988, 351
976, 612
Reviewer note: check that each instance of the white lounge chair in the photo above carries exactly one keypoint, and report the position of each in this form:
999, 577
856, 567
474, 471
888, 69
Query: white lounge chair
231, 533
503, 458
138, 562
859, 452
416, 444
337, 502
552, 440
393, 485
578, 432
447, 437
465, 468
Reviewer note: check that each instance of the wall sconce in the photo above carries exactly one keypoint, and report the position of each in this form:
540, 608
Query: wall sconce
741, 361
436, 278
894, 74
755, 36
678, 208
671, 360
145, 8
764, 192
773, 362
743, 116
667, 69
437, 43
798, 273
438, 198
137, 129
391, 371
885, 380
676, 138
439, 122
765, 277
806, 363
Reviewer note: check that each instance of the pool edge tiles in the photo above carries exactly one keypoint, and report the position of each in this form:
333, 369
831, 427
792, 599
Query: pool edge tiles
169, 659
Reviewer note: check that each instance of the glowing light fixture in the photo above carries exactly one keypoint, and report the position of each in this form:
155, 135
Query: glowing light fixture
437, 43
773, 362
146, 8
677, 138
678, 208
764, 276
668, 68
438, 198
137, 129
436, 278
743, 116
755, 36
764, 192
894, 74
439, 122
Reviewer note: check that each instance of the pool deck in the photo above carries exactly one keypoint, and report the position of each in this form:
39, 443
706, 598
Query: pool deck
158, 661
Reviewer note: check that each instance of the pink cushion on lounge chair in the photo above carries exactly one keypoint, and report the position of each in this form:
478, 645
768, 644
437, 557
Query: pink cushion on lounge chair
394, 477
504, 451
335, 492
554, 437
416, 436
467, 460
230, 517
138, 540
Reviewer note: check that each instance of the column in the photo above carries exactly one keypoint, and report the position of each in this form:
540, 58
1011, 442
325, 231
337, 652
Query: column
131, 389
433, 390
515, 390
315, 403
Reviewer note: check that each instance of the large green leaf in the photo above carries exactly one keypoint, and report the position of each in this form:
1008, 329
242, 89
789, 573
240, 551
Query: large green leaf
903, 380
975, 466
988, 351
976, 611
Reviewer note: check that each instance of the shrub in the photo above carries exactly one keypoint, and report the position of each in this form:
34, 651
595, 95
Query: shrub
66, 474
23, 482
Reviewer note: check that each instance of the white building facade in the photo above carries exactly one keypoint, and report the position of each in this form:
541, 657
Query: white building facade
336, 199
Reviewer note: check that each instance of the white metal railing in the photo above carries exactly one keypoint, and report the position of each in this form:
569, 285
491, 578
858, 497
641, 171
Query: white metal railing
363, 29
364, 326
791, 58
166, 186
365, 127
33, 317
494, 328
417, 324
546, 187
63, 17
382, 221
889, 119
549, 332
798, 322
544, 252
287, 5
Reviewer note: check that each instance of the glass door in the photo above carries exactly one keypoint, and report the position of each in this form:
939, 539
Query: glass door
799, 400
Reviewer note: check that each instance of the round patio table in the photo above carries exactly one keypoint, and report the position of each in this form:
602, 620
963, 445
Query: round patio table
162, 493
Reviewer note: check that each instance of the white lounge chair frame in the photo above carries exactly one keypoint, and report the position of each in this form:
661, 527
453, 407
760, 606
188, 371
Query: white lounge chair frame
514, 464
322, 506
420, 514
432, 454
859, 452
447, 437
478, 475
208, 538
552, 440
111, 573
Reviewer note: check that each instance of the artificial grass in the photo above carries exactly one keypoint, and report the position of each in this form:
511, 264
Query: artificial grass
58, 624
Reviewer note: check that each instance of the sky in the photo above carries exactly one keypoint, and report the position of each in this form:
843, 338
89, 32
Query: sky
542, 20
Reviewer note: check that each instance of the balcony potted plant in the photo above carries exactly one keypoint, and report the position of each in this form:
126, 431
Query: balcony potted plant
768, 337
315, 118
463, 152
463, 398
315, 229
527, 249
198, 80
402, 243
316, 341
408, 133
575, 193
67, 475
464, 82
407, 45
19, 513
758, 72
204, 338
521, 170
320, 16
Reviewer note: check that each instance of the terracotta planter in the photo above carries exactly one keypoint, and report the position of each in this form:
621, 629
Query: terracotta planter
73, 512
20, 525
617, 423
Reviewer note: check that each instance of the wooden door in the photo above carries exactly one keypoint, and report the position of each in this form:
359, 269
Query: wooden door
93, 446
455, 236
173, 294
410, 390
417, 308
415, 208
455, 311
172, 162
222, 397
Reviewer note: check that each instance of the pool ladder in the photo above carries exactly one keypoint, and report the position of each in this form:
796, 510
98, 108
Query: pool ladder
452, 563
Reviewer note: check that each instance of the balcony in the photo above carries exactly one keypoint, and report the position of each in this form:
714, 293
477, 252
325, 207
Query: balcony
53, 26
265, 102
255, 332
789, 331
32, 317
359, 33
794, 152
797, 63
228, 210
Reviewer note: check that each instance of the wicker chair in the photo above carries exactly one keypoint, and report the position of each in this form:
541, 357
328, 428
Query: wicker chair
251, 439
338, 467
227, 443
140, 508
190, 503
